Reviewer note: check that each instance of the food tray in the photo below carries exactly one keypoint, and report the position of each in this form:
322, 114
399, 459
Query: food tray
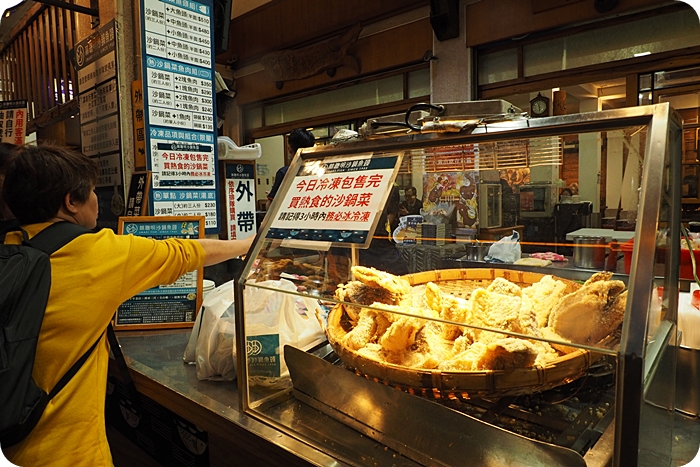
442, 384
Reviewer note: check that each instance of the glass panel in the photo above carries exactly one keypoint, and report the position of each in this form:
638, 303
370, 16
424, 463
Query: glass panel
420, 310
495, 67
665, 79
645, 82
367, 94
253, 117
662, 347
647, 36
419, 83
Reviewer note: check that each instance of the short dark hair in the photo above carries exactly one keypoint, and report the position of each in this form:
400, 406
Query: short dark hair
412, 189
38, 178
5, 151
300, 138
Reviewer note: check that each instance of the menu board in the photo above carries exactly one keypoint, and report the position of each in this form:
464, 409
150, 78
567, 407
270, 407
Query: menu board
166, 306
95, 60
335, 199
179, 108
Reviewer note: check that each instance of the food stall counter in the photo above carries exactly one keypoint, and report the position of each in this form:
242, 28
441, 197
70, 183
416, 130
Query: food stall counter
157, 367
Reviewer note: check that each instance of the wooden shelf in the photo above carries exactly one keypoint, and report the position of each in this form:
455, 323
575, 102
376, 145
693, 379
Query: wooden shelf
690, 200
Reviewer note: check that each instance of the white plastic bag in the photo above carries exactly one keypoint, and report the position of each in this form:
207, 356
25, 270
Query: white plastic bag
506, 250
275, 319
212, 342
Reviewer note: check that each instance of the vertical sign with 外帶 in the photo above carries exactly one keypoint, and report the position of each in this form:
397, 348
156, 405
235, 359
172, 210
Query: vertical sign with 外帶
179, 108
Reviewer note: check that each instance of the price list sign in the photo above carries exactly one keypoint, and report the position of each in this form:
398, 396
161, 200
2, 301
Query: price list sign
166, 306
96, 62
335, 199
179, 108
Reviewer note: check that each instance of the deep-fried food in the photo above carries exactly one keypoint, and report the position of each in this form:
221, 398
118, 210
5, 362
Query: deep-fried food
544, 294
383, 280
357, 292
501, 354
491, 315
591, 313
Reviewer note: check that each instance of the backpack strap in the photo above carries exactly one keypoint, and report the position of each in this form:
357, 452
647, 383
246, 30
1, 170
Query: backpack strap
55, 236
73, 370
123, 367
50, 240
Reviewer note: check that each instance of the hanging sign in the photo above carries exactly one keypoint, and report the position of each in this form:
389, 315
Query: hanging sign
335, 199
95, 60
166, 306
179, 108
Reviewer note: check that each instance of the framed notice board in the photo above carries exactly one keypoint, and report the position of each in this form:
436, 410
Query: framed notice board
166, 306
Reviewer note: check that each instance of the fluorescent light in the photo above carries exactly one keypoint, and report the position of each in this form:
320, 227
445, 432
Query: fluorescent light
641, 54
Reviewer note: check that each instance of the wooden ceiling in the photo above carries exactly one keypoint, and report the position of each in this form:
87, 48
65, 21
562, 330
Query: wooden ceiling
287, 24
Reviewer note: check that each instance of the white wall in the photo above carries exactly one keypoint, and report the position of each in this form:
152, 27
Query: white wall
270, 161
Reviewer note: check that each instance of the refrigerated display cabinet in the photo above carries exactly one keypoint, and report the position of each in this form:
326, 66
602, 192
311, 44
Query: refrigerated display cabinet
377, 401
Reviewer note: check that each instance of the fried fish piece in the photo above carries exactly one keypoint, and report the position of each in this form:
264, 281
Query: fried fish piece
544, 294
501, 354
448, 307
357, 292
592, 312
364, 330
383, 280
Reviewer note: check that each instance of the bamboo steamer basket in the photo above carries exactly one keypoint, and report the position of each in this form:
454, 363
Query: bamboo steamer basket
450, 385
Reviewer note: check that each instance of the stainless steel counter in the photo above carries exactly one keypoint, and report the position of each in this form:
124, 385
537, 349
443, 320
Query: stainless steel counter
155, 358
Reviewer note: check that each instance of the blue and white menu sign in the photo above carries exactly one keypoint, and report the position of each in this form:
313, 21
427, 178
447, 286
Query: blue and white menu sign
180, 108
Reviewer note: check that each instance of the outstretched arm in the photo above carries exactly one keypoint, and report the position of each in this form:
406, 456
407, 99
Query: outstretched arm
218, 251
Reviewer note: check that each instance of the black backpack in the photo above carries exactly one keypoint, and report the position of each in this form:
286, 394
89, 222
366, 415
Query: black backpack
25, 281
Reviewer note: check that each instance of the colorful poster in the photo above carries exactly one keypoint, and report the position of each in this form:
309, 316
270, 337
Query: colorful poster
447, 192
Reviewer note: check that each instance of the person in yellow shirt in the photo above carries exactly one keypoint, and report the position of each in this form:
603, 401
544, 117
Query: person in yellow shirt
90, 277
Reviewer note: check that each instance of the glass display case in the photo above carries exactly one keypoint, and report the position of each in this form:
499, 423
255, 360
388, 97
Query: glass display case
473, 363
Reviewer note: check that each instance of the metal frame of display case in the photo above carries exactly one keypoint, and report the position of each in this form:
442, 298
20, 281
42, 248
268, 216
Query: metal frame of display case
642, 360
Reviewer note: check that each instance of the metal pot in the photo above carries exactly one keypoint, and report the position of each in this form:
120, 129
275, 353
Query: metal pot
476, 251
589, 252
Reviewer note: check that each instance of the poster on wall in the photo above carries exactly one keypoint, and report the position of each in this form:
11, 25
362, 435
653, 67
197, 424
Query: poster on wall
179, 108
165, 306
335, 199
449, 194
13, 121
239, 182
95, 60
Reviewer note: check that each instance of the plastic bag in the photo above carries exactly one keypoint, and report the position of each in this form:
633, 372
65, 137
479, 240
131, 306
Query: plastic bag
506, 250
275, 319
212, 342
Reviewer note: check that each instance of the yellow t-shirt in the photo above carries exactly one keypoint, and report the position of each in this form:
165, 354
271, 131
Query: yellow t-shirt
90, 278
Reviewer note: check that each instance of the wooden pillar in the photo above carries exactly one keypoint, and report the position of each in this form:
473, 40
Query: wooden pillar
559, 103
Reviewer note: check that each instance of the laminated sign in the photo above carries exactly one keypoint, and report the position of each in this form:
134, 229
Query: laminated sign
13, 121
335, 199
165, 306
